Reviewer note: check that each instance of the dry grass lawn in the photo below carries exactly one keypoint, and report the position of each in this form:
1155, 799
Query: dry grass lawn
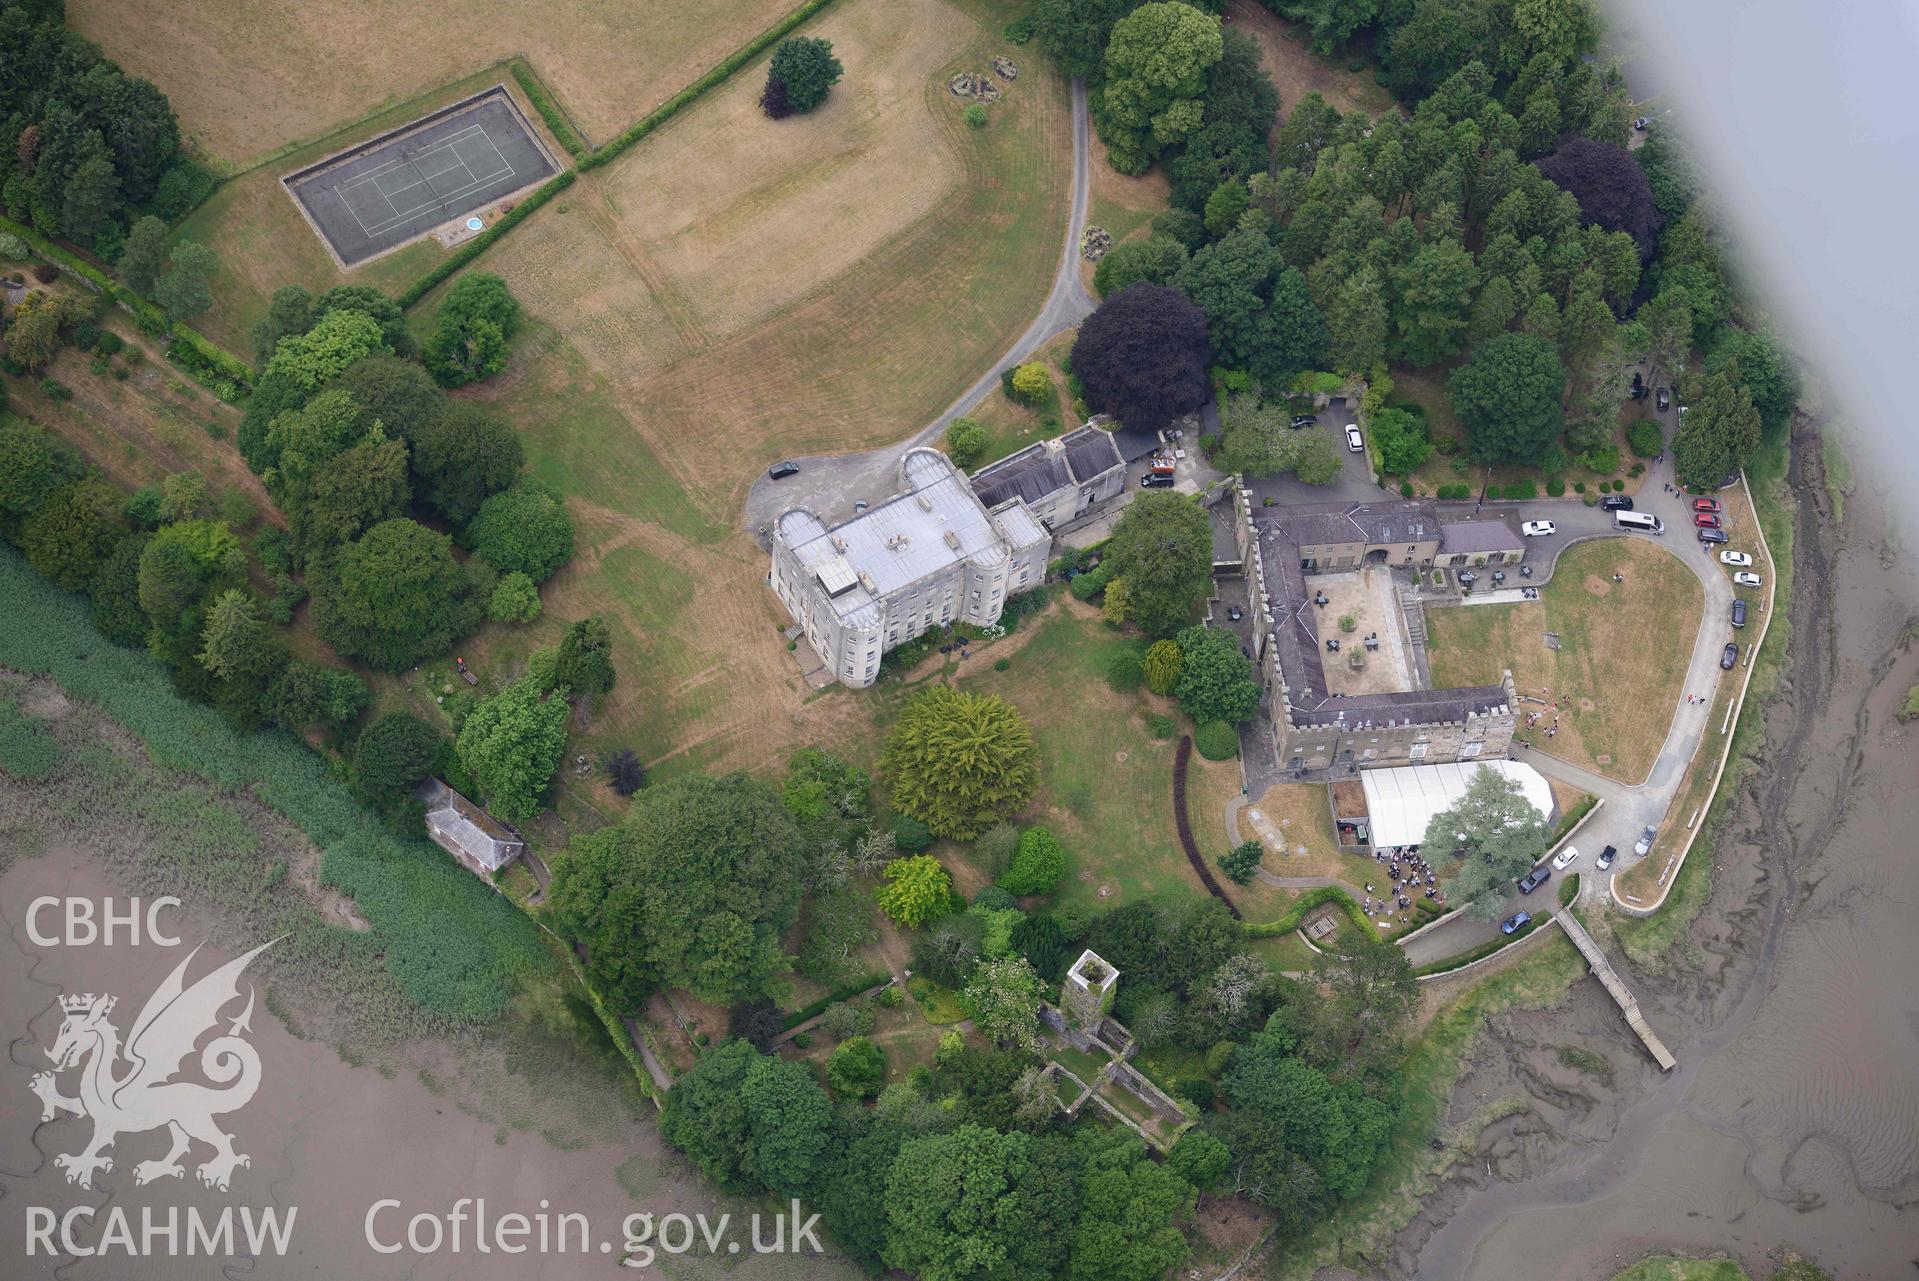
653, 395
141, 429
799, 203
1623, 651
249, 77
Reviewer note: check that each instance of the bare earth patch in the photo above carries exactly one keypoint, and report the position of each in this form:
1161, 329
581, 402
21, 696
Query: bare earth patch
1297, 71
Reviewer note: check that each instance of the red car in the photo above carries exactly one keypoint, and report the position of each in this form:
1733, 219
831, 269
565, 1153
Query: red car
1705, 504
1705, 520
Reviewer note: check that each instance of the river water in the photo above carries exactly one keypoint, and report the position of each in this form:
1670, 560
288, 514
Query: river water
1792, 1004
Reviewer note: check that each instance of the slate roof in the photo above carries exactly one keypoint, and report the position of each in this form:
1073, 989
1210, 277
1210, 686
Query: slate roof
459, 825
1494, 535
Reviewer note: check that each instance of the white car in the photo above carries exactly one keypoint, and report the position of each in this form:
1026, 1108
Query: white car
1745, 578
1740, 559
1538, 528
1565, 859
1353, 441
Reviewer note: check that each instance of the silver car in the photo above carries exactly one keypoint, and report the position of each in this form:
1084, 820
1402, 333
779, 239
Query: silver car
1644, 843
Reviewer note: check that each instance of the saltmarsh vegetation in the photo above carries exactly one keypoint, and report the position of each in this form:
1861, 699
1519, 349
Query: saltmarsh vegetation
451, 950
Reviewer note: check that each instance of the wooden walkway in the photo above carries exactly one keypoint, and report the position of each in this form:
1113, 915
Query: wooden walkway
1609, 978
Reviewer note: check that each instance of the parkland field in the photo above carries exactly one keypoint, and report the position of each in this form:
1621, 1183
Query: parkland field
734, 290
729, 291
249, 78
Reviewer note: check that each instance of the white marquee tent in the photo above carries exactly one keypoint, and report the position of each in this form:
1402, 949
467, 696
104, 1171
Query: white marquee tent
1402, 801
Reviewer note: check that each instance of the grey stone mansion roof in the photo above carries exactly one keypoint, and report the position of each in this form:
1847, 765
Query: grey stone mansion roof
936, 523
1295, 633
1045, 467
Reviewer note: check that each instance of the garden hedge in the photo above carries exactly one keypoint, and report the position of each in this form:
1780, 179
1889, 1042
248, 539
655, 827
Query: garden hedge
834, 997
473, 248
556, 121
1217, 741
1448, 964
685, 97
211, 354
1307, 902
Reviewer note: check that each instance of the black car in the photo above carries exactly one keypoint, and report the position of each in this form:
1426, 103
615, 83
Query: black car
1615, 503
1728, 657
1304, 420
1534, 879
1739, 613
780, 471
1606, 856
1712, 535
1638, 391
1156, 480
1663, 399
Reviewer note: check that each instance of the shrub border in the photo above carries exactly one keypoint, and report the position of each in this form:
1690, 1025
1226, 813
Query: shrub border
1181, 759
549, 108
877, 979
724, 69
99, 281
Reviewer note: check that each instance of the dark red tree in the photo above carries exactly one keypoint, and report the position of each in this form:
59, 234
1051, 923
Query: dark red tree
773, 99
1610, 187
1143, 356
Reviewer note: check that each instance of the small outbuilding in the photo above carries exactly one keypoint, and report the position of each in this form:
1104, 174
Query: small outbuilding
482, 843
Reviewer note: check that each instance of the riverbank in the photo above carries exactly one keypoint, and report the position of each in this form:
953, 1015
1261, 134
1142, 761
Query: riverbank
1796, 1107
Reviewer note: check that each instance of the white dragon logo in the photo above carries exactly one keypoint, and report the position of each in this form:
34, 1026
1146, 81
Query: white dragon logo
146, 1097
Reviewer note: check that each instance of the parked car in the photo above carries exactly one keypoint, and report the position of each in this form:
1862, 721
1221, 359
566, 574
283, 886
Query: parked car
1705, 520
1739, 613
1642, 123
1537, 528
1740, 559
1638, 391
1516, 922
1353, 441
1644, 843
1663, 399
1534, 879
1565, 859
780, 471
1746, 578
1156, 480
1606, 856
1705, 504
1729, 657
1615, 503
1304, 420
1712, 535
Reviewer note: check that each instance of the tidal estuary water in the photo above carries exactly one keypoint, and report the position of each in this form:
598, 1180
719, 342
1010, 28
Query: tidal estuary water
1792, 1003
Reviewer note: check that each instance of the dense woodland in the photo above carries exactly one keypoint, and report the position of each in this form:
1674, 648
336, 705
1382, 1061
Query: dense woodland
85, 149
1499, 227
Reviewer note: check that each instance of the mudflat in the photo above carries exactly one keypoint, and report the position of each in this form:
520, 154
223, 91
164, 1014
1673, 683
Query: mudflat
328, 1139
1794, 1116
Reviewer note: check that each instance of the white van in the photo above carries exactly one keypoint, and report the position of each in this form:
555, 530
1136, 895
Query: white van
1640, 521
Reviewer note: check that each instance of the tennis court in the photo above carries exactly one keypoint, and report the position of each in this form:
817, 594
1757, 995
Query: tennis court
397, 187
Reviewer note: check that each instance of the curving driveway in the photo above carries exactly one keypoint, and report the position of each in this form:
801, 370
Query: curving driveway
830, 484
1628, 808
